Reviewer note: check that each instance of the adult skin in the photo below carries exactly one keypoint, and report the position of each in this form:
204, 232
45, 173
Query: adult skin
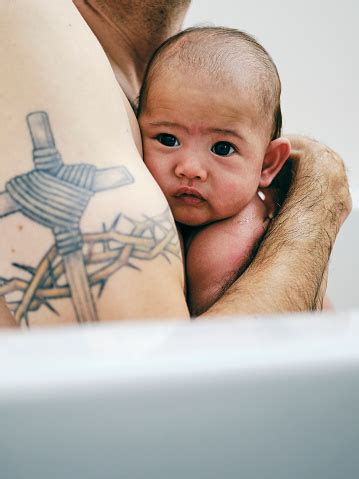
292, 259
6, 319
72, 175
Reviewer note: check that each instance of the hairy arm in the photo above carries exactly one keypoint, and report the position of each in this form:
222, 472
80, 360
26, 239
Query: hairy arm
289, 272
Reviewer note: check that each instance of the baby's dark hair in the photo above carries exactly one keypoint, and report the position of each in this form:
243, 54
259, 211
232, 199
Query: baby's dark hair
212, 49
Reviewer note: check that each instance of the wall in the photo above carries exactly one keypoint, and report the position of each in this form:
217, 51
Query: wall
314, 45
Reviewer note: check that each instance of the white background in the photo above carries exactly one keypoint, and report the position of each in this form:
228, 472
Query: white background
315, 45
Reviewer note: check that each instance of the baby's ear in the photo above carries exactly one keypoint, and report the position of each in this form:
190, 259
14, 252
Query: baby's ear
276, 155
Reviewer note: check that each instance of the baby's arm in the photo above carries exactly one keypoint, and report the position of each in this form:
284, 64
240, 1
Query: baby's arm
221, 251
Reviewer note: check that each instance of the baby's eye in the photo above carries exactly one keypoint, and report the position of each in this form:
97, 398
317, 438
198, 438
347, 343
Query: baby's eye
167, 140
222, 148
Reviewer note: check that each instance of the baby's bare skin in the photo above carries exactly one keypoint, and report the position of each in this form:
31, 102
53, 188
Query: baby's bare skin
219, 253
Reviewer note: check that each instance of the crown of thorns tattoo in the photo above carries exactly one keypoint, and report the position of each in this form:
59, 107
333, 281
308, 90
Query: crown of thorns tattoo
104, 254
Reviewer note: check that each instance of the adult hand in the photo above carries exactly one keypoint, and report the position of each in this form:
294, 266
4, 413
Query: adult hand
315, 166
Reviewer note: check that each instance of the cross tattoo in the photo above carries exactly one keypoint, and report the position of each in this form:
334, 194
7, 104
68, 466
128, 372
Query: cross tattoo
56, 195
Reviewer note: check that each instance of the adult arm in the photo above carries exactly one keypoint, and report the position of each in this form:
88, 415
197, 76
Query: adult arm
289, 272
85, 231
6, 319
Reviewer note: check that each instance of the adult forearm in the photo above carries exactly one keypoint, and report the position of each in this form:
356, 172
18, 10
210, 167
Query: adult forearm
290, 267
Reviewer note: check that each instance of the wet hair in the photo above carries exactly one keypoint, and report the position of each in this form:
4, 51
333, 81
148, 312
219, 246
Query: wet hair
217, 51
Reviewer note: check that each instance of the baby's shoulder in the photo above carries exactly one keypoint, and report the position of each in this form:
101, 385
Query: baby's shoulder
218, 253
240, 228
223, 247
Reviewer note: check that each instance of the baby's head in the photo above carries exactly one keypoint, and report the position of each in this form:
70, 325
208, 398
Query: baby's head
209, 112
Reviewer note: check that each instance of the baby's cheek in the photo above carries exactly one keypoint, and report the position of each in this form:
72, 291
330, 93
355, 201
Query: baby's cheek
239, 194
157, 170
149, 160
236, 189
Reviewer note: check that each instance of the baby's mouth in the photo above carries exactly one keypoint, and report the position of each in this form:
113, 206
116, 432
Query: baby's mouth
189, 196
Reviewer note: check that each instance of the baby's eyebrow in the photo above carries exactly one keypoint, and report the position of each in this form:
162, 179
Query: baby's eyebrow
168, 124
226, 131
173, 124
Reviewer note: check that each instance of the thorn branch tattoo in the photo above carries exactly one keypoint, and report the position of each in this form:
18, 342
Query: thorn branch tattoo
56, 195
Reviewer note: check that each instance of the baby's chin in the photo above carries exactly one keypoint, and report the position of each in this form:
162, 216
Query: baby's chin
192, 221
194, 217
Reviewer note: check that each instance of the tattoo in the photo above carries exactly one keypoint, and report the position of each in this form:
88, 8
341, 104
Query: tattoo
56, 195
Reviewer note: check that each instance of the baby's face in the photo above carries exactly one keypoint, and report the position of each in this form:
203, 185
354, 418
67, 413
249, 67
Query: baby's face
204, 145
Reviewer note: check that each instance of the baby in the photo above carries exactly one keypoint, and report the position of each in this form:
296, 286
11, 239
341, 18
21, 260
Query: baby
210, 117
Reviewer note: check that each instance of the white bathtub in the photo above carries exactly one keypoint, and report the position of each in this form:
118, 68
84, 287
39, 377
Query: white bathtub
225, 398
258, 398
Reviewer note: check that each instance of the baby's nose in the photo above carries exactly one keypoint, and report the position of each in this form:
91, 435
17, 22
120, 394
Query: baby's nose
191, 169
